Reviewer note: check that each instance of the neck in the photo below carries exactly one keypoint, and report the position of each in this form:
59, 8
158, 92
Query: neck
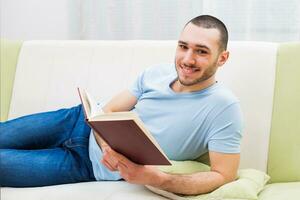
178, 87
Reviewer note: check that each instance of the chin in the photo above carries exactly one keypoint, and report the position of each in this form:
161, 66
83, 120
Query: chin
187, 82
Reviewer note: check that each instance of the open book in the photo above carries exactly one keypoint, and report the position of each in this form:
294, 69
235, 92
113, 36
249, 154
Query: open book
124, 132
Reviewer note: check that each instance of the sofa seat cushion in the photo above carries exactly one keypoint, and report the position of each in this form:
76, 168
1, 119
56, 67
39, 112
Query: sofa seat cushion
102, 190
281, 191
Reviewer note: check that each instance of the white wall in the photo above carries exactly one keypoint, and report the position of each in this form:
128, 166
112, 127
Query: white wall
39, 19
262, 20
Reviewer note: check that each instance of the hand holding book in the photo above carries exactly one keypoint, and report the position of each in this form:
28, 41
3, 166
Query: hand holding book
108, 160
132, 172
124, 132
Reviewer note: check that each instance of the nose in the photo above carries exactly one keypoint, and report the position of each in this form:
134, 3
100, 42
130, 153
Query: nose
188, 58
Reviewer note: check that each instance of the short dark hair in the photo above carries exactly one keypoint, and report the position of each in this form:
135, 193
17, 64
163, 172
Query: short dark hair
208, 21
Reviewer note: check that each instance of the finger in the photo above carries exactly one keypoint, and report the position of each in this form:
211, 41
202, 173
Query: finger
108, 165
123, 170
110, 159
106, 149
119, 157
110, 151
121, 166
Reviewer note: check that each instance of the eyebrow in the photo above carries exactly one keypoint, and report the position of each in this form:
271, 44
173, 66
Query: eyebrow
197, 45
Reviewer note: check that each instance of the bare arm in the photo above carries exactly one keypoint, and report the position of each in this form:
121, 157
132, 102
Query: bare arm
124, 101
223, 170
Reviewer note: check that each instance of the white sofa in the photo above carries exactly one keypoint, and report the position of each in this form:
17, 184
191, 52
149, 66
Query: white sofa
48, 73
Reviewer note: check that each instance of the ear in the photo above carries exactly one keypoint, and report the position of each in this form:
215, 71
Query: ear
223, 57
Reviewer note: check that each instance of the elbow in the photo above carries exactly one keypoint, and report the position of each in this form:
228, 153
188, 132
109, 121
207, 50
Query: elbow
226, 177
230, 177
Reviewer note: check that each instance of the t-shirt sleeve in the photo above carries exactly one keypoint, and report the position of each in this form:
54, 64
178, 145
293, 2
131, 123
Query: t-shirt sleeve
226, 130
137, 87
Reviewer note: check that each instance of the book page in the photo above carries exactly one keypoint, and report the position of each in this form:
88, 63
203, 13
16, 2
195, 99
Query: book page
85, 103
94, 106
91, 107
114, 116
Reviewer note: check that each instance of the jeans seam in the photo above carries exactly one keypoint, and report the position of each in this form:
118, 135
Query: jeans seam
76, 142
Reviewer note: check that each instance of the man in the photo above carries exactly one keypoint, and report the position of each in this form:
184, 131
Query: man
184, 107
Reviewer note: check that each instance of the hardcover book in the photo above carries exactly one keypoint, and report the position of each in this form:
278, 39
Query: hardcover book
124, 132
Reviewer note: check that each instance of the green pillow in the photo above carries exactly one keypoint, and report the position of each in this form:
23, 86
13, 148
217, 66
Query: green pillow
247, 186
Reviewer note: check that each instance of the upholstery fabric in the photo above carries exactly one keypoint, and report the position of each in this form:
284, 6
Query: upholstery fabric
104, 68
284, 162
9, 52
281, 191
48, 73
103, 190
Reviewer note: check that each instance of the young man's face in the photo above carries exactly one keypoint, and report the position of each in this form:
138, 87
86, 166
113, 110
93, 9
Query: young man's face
197, 55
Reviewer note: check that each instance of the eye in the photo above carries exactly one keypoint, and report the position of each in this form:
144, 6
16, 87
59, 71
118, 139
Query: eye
200, 51
182, 46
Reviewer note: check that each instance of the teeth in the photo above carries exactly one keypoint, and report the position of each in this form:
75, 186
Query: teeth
188, 69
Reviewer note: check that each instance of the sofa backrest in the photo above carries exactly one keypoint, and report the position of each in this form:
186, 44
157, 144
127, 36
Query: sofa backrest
48, 73
284, 158
9, 52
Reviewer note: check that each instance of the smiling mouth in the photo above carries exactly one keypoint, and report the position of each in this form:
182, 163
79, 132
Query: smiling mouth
189, 70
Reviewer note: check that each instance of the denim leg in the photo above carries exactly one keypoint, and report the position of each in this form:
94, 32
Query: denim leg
42, 167
41, 130
45, 149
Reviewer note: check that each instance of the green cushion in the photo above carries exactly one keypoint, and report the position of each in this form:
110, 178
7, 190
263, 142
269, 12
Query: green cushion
9, 52
281, 191
249, 183
284, 150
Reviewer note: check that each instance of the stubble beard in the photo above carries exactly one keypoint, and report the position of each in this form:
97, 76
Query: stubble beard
208, 73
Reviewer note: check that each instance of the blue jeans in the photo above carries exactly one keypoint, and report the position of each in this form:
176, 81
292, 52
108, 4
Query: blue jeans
45, 149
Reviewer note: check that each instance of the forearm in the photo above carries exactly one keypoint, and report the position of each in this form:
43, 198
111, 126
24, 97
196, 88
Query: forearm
123, 101
199, 183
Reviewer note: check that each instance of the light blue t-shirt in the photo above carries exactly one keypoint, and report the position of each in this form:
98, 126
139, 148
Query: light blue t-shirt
186, 125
